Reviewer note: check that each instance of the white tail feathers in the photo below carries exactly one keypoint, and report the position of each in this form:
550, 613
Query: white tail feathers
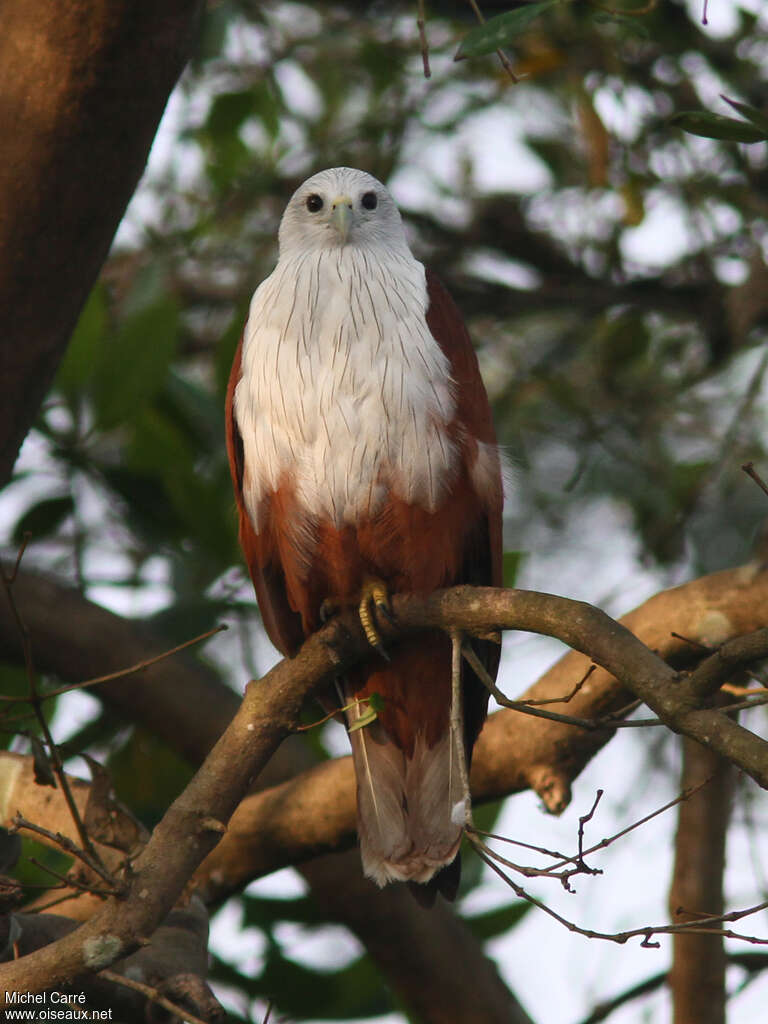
410, 810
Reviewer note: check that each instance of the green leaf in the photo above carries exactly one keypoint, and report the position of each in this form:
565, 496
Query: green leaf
44, 518
14, 682
365, 719
267, 911
498, 921
134, 362
147, 775
229, 111
500, 31
511, 562
349, 993
189, 617
301, 993
714, 126
633, 25
268, 106
149, 509
376, 701
34, 875
485, 816
757, 117
82, 355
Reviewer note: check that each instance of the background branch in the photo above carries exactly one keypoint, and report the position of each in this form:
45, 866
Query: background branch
270, 711
697, 977
78, 123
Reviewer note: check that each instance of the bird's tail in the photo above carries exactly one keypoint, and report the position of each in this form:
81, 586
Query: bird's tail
410, 804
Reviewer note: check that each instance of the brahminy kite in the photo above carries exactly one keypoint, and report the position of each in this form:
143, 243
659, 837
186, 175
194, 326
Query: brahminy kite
364, 461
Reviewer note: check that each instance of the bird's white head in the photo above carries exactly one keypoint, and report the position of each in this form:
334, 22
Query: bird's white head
341, 207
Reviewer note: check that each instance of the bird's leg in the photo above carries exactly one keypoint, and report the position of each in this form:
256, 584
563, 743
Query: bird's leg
374, 592
461, 810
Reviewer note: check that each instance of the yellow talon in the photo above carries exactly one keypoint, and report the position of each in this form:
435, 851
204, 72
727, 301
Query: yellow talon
374, 591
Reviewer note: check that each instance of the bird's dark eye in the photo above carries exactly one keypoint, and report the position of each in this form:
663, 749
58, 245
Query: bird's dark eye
370, 200
314, 202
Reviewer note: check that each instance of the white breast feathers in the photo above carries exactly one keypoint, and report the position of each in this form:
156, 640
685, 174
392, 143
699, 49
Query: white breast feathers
344, 391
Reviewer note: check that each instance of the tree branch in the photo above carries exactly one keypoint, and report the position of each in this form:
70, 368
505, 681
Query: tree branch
270, 711
314, 812
77, 123
697, 977
180, 699
432, 977
184, 701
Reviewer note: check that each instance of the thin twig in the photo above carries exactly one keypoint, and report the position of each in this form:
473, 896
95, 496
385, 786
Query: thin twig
36, 702
500, 53
606, 1007
121, 673
693, 643
560, 700
11, 579
749, 469
73, 883
421, 23
582, 822
520, 705
40, 908
154, 994
66, 844
646, 933
563, 860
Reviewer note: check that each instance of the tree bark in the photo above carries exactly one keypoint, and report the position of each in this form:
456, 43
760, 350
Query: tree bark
195, 822
697, 978
430, 957
82, 88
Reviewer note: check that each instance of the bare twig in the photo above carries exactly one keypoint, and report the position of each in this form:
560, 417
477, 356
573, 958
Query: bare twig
525, 706
72, 882
154, 995
560, 869
121, 673
66, 844
421, 23
646, 933
752, 963
728, 659
693, 643
749, 469
35, 700
505, 62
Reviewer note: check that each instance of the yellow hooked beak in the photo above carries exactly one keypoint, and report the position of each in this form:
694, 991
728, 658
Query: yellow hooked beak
341, 216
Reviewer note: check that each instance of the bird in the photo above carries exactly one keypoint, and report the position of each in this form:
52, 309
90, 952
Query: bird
365, 464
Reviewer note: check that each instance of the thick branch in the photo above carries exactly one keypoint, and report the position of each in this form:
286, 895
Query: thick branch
176, 960
77, 122
270, 711
315, 812
75, 637
179, 699
192, 825
433, 977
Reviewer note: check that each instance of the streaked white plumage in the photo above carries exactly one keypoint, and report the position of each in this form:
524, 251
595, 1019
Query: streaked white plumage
343, 385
